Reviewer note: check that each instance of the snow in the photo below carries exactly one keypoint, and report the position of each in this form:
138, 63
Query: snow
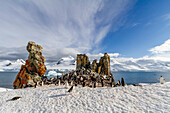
4, 89
7, 65
62, 64
147, 98
117, 64
53, 73
140, 64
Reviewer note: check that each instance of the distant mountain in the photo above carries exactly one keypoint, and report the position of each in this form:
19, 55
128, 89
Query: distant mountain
117, 64
63, 63
7, 65
141, 64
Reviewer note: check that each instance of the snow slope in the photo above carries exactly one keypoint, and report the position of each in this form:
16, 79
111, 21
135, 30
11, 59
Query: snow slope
154, 98
141, 64
4, 89
7, 65
63, 63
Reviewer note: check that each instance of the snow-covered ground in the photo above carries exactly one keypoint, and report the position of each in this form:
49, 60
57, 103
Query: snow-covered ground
148, 98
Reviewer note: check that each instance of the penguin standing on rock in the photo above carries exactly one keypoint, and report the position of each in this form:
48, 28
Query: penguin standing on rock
35, 85
59, 82
70, 90
83, 84
71, 84
66, 84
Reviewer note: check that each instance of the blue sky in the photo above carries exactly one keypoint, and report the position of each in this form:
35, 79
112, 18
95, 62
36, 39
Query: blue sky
129, 28
146, 26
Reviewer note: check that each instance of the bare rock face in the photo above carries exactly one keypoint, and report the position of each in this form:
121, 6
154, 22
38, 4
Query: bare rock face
34, 68
94, 66
94, 75
103, 67
82, 61
104, 64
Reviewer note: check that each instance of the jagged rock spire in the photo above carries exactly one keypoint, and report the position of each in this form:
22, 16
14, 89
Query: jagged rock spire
34, 68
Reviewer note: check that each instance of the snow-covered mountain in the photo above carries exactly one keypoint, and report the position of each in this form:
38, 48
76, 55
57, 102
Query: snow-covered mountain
7, 65
141, 64
63, 63
117, 64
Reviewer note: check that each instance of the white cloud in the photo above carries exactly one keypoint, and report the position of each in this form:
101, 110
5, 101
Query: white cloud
165, 47
98, 56
114, 54
75, 25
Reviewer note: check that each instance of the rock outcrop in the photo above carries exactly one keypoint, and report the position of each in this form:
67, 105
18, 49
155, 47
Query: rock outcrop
104, 65
34, 68
84, 77
94, 66
86, 74
82, 61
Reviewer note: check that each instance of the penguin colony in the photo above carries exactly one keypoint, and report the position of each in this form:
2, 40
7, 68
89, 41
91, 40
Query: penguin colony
83, 77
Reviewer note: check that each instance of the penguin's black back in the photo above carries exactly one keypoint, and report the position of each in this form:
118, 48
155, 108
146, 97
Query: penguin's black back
14, 98
123, 82
70, 90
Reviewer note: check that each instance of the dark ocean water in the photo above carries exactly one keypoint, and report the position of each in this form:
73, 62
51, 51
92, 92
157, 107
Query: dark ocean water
7, 78
141, 77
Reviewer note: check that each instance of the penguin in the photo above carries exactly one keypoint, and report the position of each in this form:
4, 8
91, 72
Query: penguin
66, 85
118, 83
14, 98
71, 83
35, 85
111, 84
83, 84
59, 82
70, 90
102, 83
122, 82
97, 84
162, 80
94, 85
81, 79
42, 83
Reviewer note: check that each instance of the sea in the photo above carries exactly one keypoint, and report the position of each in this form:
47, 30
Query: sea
7, 78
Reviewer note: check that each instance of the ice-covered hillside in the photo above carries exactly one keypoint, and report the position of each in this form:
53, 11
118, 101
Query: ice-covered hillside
63, 63
142, 64
117, 64
7, 65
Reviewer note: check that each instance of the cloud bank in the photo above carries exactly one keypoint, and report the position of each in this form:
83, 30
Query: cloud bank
62, 27
165, 47
161, 52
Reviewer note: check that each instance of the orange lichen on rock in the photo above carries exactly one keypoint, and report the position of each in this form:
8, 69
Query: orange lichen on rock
82, 61
34, 68
102, 68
